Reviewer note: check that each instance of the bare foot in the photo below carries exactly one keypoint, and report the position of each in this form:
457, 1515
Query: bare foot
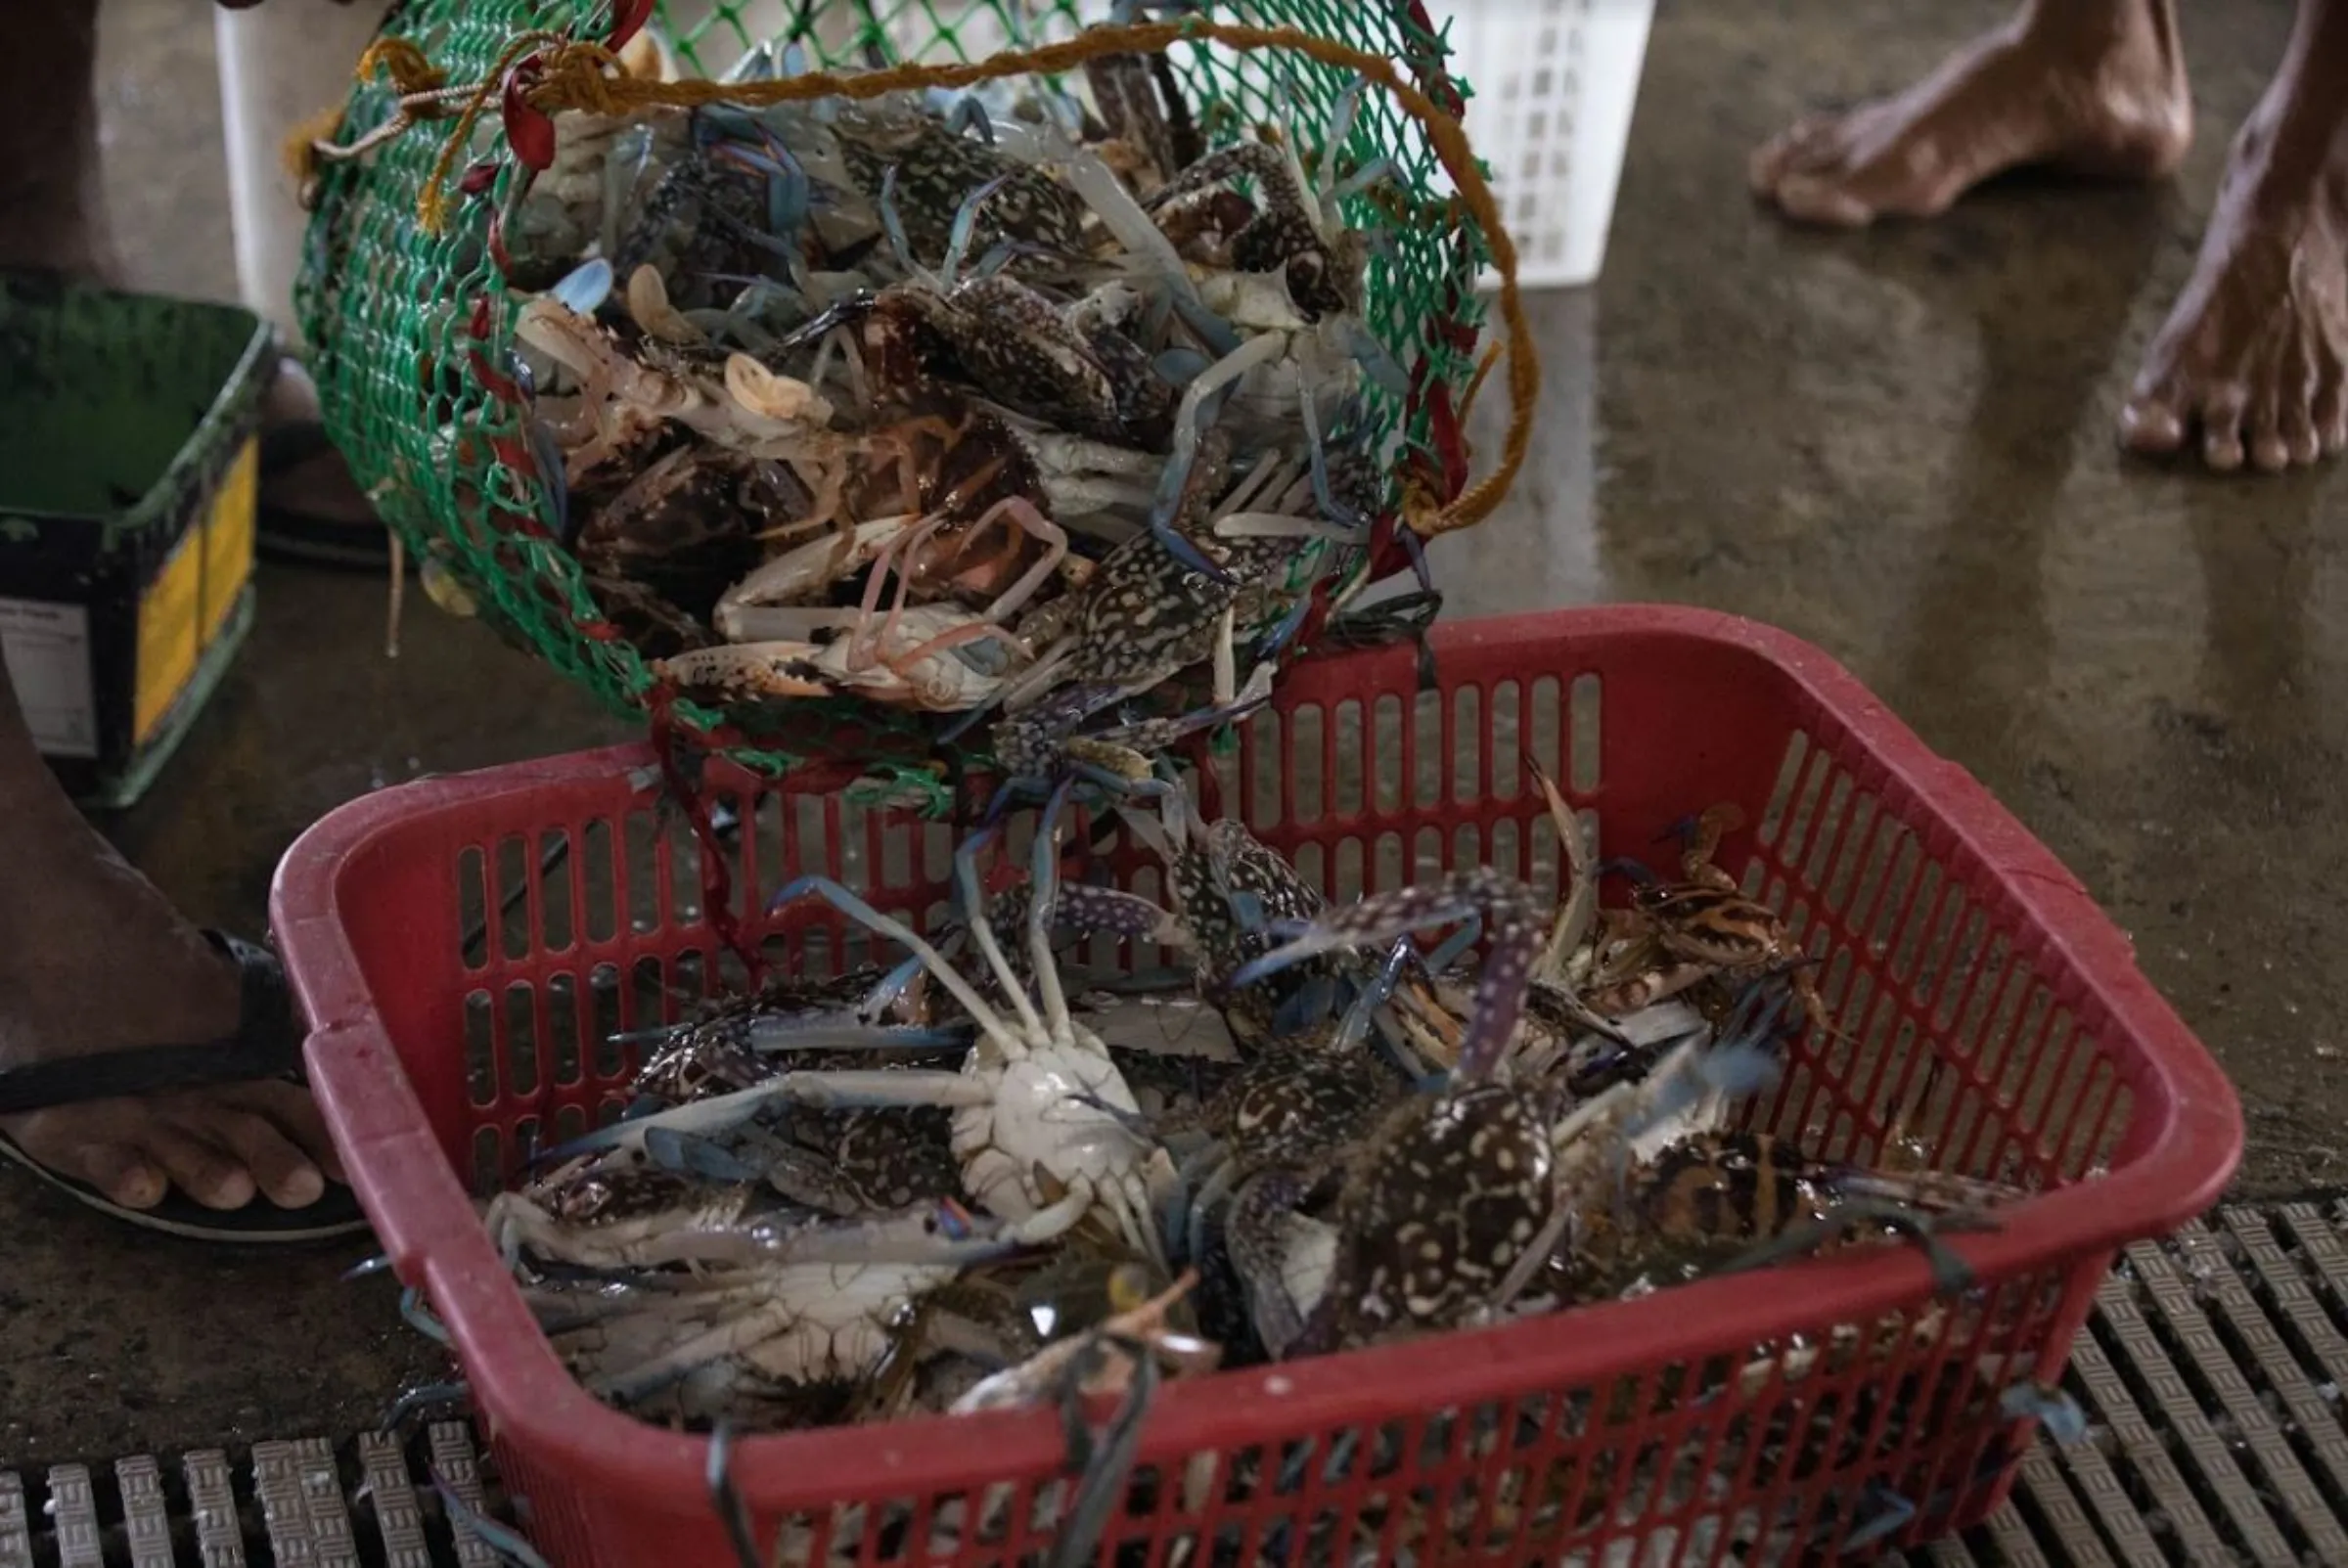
2256, 352
2093, 88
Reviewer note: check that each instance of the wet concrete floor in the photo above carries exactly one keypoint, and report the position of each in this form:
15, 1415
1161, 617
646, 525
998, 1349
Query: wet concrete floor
1896, 445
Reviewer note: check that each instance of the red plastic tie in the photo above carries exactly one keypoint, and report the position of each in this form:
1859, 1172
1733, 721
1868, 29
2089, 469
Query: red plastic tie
628, 18
717, 872
530, 130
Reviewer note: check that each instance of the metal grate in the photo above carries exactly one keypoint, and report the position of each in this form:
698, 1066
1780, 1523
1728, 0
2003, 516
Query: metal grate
295, 1504
2211, 1375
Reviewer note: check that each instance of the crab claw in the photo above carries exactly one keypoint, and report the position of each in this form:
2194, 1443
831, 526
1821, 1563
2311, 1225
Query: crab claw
969, 114
789, 192
748, 669
1112, 912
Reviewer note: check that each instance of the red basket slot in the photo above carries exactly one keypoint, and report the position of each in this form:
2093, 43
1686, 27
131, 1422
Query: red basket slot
463, 944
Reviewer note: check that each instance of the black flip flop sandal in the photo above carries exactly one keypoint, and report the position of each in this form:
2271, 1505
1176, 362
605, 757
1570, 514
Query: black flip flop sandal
267, 1045
294, 538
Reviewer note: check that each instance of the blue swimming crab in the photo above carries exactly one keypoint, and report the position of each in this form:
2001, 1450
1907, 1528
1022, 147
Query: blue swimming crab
1031, 1148
1444, 1212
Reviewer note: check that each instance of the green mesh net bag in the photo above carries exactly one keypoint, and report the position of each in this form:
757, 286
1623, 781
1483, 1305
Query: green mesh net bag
407, 302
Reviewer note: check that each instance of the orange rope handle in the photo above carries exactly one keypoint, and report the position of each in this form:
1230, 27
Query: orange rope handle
575, 75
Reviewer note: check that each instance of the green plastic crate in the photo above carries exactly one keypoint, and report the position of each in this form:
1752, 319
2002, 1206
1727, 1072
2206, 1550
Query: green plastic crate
129, 468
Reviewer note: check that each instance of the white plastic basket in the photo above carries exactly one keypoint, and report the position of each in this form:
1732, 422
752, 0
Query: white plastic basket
1555, 82
277, 72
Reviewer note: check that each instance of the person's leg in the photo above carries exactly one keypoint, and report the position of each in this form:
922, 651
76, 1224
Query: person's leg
2096, 87
92, 957
2252, 356
52, 209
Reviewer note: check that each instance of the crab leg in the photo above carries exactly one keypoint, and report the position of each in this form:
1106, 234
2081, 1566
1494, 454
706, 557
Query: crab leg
1509, 908
726, 1501
1022, 513
1191, 419
893, 225
1124, 218
1351, 523
681, 1360
1341, 116
1042, 900
983, 933
1277, 525
1153, 733
863, 641
821, 1090
989, 1022
965, 216
1581, 901
1227, 657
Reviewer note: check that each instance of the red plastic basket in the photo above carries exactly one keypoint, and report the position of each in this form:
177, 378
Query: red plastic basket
447, 1034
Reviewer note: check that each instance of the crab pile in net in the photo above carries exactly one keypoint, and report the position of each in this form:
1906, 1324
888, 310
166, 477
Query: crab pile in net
988, 1178
1008, 405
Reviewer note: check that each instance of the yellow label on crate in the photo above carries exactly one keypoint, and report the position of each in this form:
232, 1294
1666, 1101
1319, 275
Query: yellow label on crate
190, 599
169, 635
228, 539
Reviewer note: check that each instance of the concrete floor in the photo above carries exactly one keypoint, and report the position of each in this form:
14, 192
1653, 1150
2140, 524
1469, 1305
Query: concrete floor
1896, 445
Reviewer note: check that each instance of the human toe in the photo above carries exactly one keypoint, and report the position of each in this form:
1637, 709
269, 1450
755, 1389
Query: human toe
2222, 432
203, 1171
122, 1175
2149, 423
295, 1115
2301, 446
284, 1175
1785, 152
1823, 199
117, 1170
2263, 434
2327, 403
2329, 420
88, 1143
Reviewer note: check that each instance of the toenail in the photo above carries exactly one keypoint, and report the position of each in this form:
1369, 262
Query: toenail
1816, 200
2152, 430
139, 1189
300, 1189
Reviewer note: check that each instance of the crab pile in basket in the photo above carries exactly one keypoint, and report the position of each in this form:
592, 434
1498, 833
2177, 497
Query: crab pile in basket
979, 1177
961, 404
